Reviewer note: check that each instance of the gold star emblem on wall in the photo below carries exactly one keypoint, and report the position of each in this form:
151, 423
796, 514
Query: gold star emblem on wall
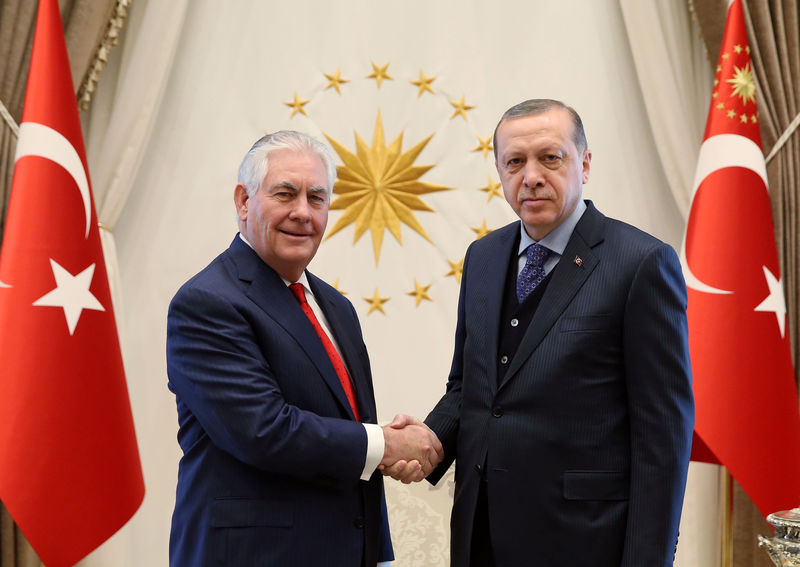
420, 292
423, 84
378, 187
335, 80
376, 302
484, 146
455, 269
481, 230
297, 105
493, 189
379, 74
461, 108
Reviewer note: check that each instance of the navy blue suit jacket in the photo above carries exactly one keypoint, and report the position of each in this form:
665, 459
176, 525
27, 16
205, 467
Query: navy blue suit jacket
586, 438
272, 454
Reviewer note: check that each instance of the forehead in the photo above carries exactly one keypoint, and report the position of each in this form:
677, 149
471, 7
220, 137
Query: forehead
553, 127
301, 168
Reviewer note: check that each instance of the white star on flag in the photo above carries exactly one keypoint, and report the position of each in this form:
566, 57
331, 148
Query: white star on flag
775, 301
71, 293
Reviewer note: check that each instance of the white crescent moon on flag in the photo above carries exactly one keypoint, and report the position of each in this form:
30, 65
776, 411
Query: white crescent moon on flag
40, 140
719, 152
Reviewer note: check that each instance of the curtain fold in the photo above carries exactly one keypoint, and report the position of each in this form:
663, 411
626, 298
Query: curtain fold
123, 115
674, 77
84, 22
16, 34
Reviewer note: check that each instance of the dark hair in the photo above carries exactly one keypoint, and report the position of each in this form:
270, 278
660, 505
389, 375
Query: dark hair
540, 106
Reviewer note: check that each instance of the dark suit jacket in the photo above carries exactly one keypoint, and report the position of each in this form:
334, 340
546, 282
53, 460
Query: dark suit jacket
586, 439
272, 454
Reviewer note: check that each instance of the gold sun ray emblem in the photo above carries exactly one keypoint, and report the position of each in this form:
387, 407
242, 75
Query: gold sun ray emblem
743, 83
378, 187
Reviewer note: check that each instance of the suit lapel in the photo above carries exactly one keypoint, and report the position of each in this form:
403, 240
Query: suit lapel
576, 264
345, 336
268, 291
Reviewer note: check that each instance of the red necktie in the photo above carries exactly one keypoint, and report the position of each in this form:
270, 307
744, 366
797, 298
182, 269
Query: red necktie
336, 360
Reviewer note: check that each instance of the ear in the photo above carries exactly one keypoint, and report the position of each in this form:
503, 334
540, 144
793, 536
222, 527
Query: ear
241, 199
587, 160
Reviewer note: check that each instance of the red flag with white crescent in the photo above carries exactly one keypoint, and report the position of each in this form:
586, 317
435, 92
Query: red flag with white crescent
747, 415
70, 474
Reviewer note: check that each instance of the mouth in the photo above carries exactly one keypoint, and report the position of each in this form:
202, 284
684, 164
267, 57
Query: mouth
533, 199
297, 235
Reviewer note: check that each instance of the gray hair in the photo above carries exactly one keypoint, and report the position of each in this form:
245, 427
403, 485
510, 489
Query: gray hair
255, 164
540, 106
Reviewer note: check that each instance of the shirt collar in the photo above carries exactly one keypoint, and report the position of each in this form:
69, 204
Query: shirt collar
557, 239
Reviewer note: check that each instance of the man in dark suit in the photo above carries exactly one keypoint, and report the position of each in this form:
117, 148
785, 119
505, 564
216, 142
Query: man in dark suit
569, 406
273, 387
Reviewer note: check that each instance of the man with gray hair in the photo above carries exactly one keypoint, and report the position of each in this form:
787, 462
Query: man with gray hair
273, 387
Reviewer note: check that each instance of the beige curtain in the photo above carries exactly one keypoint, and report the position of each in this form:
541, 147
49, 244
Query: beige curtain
84, 26
674, 77
772, 27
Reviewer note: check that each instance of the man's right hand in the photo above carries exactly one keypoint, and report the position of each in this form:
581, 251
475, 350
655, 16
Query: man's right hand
411, 450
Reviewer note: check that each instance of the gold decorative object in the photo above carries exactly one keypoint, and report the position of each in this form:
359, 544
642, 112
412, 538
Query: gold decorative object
378, 187
784, 547
109, 41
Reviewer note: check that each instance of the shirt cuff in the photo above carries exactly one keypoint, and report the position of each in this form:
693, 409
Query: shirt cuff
384, 564
375, 448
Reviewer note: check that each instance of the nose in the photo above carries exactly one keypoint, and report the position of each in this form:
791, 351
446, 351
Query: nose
301, 210
533, 175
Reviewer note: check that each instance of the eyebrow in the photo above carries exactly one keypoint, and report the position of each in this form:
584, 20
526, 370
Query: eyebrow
285, 185
316, 189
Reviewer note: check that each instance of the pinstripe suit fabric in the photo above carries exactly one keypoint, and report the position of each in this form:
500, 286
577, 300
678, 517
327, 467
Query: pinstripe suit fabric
586, 439
272, 455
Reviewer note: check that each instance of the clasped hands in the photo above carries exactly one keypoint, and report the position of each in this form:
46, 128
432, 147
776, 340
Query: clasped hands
411, 450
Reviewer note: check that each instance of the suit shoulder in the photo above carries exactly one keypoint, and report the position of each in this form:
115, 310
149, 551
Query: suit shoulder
629, 239
498, 237
210, 279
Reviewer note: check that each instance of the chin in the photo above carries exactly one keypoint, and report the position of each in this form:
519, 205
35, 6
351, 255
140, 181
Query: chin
538, 220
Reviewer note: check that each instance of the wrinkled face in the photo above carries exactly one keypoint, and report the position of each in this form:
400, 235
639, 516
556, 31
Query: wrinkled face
541, 169
286, 217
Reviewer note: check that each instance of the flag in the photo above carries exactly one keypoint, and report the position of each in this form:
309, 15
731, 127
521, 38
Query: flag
746, 400
70, 474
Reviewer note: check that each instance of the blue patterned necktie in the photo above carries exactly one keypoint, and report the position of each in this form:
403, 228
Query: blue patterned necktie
533, 272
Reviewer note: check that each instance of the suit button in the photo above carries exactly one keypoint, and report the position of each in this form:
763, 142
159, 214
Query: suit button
504, 359
514, 322
478, 468
359, 523
497, 412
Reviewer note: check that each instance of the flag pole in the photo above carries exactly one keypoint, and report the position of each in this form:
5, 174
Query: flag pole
726, 515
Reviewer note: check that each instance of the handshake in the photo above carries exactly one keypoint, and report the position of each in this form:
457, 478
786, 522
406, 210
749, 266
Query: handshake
411, 450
